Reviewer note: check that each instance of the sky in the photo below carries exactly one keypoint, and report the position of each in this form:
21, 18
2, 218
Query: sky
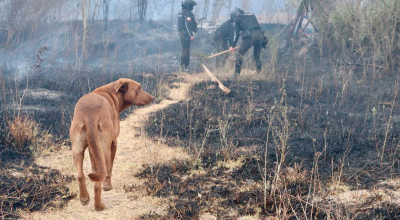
161, 9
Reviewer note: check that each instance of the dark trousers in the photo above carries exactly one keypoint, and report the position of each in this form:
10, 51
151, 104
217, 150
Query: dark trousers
185, 49
220, 44
256, 41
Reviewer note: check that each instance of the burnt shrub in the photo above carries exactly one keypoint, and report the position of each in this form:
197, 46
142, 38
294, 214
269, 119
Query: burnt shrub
31, 189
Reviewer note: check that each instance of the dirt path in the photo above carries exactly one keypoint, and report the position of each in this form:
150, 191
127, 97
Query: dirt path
134, 150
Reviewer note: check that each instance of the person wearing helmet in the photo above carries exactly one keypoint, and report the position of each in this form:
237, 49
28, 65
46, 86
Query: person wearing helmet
221, 38
187, 26
248, 27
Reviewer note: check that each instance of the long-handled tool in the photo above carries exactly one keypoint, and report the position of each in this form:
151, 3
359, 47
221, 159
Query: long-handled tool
220, 53
220, 85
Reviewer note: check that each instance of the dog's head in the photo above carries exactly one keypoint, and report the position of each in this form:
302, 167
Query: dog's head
132, 92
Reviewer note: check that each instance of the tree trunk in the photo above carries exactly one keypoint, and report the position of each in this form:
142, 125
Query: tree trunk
106, 6
130, 17
172, 14
217, 7
304, 8
142, 9
205, 10
85, 5
229, 8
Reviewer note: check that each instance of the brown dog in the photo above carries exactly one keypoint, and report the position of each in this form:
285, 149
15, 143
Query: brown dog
96, 125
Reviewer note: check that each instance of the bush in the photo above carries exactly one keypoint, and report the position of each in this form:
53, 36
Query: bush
24, 132
369, 28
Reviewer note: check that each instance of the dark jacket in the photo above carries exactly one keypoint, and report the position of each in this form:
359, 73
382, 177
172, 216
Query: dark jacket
243, 26
187, 22
224, 30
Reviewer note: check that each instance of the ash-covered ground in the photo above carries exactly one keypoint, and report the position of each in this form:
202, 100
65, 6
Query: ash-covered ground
330, 122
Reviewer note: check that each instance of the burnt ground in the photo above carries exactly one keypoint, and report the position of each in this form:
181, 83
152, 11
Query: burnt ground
211, 186
347, 126
338, 116
26, 187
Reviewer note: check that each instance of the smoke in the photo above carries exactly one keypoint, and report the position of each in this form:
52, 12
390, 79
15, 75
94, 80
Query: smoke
57, 24
161, 9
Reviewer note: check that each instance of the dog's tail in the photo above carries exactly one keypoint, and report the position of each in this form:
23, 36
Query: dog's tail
96, 150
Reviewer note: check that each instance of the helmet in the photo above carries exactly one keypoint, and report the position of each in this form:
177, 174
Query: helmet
189, 4
235, 13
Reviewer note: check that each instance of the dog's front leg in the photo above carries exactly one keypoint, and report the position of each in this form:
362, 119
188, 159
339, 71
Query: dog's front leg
109, 163
107, 182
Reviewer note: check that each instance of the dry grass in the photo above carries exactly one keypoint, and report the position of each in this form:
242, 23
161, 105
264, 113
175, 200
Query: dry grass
362, 28
25, 132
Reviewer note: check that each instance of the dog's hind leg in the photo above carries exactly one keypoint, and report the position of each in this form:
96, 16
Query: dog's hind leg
98, 204
92, 162
78, 161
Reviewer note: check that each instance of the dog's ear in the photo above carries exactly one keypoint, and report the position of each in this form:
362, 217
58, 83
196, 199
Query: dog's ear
121, 86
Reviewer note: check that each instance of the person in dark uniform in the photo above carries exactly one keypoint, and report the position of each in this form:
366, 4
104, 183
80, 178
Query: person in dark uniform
248, 27
187, 26
221, 38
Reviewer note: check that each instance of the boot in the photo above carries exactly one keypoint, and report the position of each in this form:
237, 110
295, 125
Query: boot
238, 67
258, 67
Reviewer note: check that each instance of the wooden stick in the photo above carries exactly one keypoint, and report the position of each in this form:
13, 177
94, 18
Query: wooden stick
220, 53
220, 85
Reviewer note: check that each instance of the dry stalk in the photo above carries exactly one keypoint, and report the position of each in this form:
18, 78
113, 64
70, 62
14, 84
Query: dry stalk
389, 122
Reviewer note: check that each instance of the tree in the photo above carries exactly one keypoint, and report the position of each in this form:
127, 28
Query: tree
229, 7
172, 14
22, 19
217, 7
246, 5
105, 5
205, 10
88, 8
142, 9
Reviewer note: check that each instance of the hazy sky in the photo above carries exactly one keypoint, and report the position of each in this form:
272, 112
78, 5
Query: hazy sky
161, 9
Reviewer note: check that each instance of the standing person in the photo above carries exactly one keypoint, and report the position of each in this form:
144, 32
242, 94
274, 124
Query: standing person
187, 26
250, 30
221, 38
